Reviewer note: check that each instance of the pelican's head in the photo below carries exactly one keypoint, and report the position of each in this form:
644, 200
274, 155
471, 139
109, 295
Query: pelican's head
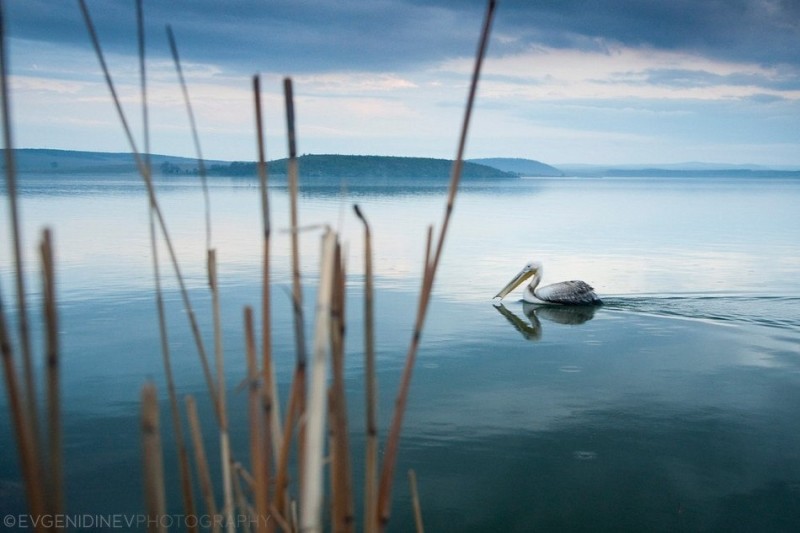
531, 269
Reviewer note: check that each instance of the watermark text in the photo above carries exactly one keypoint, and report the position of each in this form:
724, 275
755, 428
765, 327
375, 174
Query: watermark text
127, 521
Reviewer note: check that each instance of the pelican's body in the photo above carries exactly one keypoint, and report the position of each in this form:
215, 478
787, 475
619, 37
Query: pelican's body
565, 293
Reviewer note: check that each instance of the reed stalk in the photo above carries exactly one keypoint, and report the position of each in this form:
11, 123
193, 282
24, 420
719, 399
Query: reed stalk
201, 463
28, 391
177, 424
201, 165
246, 476
244, 517
27, 452
224, 436
297, 288
184, 469
271, 405
227, 480
155, 499
259, 459
211, 264
296, 409
431, 265
52, 364
342, 493
279, 520
282, 499
312, 456
144, 171
292, 170
22, 397
371, 396
335, 500
412, 485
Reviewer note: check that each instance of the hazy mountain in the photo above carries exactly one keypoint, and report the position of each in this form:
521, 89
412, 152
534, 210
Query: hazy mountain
47, 160
689, 169
521, 167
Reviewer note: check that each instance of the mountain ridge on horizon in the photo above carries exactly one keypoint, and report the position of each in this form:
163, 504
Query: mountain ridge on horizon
686, 165
55, 160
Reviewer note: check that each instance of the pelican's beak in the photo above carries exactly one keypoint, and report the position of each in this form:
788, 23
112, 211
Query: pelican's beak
524, 274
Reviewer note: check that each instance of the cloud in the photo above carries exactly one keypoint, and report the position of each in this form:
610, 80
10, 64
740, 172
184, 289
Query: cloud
280, 35
549, 74
760, 31
320, 35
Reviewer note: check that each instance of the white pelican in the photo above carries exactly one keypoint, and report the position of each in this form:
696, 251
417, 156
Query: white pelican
565, 292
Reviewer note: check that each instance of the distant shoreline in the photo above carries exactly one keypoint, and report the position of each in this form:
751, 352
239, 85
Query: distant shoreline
337, 166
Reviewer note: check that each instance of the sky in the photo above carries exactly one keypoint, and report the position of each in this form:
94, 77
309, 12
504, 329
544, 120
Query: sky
607, 82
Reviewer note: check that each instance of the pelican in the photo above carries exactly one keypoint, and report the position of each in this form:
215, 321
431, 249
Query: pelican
566, 292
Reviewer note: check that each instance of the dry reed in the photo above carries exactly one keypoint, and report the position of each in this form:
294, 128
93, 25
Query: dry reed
201, 462
259, 459
155, 499
177, 425
224, 436
27, 453
144, 171
292, 171
412, 486
22, 397
245, 515
431, 265
298, 389
271, 405
342, 491
272, 435
52, 364
312, 455
371, 393
211, 267
201, 165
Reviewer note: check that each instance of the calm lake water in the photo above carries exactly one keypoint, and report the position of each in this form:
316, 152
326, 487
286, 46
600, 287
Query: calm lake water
672, 407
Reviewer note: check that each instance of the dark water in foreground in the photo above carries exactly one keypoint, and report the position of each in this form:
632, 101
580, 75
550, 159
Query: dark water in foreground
673, 407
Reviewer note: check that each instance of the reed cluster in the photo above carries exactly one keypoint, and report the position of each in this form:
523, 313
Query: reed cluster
298, 476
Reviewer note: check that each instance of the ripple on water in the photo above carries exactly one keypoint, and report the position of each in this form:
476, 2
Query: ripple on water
570, 369
773, 311
584, 455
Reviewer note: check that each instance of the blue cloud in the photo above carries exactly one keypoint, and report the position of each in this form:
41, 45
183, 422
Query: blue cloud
318, 35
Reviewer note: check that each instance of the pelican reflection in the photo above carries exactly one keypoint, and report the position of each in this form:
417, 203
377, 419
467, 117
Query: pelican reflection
532, 329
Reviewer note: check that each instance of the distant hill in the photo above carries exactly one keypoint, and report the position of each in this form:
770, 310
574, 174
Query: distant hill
311, 166
708, 173
680, 170
368, 166
520, 167
57, 161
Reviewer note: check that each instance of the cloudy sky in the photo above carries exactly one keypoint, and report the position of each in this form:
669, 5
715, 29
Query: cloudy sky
565, 81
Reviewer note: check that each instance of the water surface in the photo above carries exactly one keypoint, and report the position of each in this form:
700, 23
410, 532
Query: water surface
673, 406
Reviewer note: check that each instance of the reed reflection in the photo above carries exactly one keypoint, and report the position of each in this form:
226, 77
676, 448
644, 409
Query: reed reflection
561, 314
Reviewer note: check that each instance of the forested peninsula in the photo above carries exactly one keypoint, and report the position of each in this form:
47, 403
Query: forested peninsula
364, 166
